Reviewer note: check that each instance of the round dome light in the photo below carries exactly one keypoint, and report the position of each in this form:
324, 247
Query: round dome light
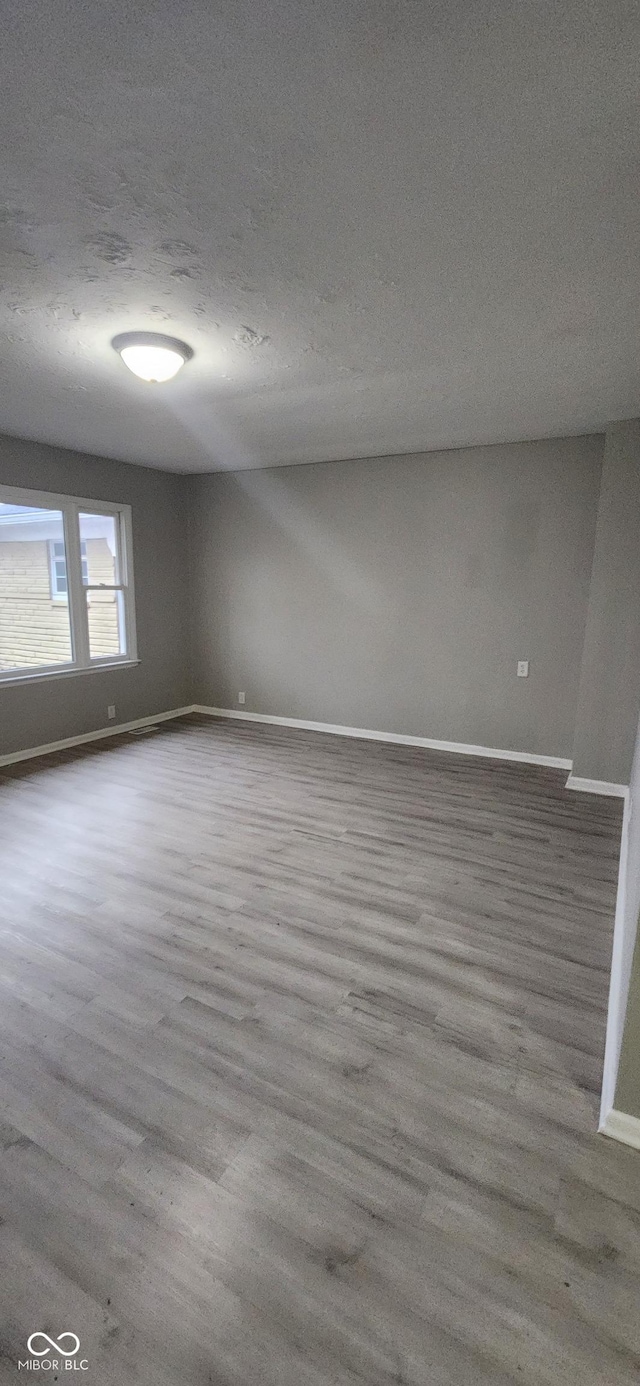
151, 355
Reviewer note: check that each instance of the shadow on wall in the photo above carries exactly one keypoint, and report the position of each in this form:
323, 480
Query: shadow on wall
312, 538
266, 489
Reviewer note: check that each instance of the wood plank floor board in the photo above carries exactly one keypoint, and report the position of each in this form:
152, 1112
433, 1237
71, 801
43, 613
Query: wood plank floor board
300, 1046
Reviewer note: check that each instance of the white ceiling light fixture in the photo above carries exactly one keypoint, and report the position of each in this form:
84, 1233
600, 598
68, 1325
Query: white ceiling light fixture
151, 355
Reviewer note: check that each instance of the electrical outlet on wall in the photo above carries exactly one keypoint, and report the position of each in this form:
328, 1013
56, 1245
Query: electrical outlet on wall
241, 697
111, 711
523, 668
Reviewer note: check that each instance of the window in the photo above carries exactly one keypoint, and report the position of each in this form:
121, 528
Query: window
66, 585
59, 588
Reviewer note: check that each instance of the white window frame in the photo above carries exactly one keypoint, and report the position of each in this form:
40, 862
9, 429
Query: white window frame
72, 507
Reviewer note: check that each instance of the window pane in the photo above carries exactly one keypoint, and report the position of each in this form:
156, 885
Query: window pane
99, 540
106, 624
34, 629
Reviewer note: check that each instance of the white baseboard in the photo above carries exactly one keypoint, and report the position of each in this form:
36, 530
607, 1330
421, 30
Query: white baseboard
622, 1127
51, 746
616, 791
396, 738
363, 733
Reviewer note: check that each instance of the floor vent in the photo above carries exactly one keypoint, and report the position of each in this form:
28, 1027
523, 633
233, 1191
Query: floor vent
143, 731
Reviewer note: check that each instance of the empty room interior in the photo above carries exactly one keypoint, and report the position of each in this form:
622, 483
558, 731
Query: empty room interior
320, 693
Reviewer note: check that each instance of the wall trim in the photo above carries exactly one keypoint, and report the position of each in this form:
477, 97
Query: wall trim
617, 999
396, 738
68, 741
622, 1127
616, 791
362, 733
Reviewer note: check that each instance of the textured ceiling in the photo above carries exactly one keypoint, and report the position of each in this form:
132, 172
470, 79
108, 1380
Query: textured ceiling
383, 225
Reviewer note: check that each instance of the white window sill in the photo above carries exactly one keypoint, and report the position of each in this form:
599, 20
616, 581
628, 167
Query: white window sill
9, 681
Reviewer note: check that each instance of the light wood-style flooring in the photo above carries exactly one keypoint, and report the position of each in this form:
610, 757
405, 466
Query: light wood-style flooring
300, 1050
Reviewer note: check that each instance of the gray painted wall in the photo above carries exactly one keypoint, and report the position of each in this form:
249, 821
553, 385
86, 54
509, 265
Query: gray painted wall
609, 697
399, 593
33, 714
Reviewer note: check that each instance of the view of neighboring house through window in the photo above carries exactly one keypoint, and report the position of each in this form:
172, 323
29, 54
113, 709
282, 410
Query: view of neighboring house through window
66, 598
59, 585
